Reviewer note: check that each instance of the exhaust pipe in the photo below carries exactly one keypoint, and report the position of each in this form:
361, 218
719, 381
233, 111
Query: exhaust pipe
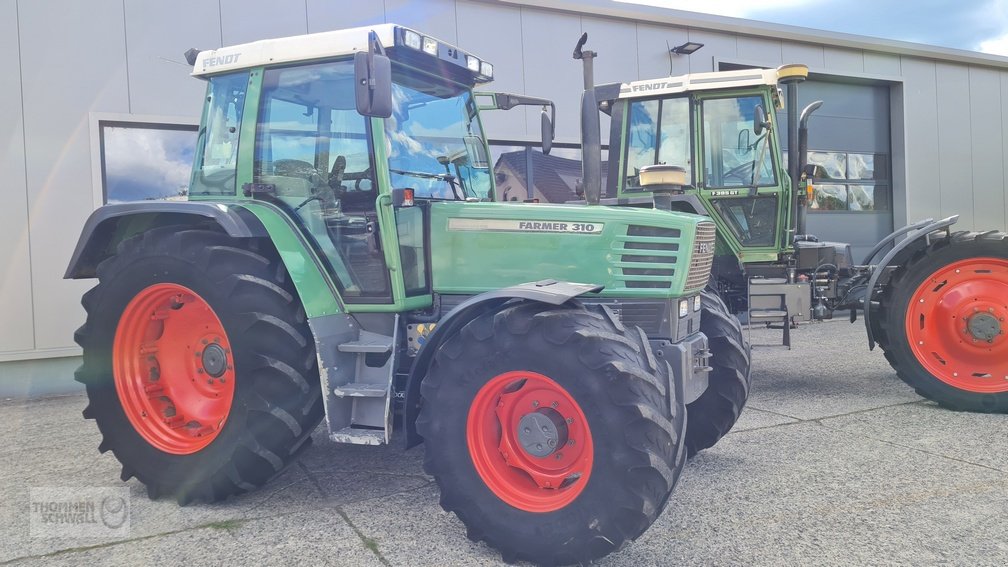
591, 135
802, 204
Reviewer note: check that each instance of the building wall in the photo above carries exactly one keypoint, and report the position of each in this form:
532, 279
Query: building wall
125, 57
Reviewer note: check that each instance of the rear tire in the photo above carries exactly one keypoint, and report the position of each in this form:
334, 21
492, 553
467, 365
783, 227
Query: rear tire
625, 458
146, 388
712, 415
943, 322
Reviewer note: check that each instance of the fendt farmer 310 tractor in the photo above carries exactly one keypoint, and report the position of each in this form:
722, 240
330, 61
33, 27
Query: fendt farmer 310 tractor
339, 210
707, 143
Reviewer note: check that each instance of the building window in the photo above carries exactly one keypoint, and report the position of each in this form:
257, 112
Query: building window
849, 181
556, 178
143, 161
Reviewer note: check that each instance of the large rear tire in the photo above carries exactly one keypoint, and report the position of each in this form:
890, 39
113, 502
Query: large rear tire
198, 363
944, 322
605, 463
712, 415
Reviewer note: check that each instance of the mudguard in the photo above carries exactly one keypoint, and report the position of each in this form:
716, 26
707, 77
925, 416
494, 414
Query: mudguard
547, 291
98, 234
915, 232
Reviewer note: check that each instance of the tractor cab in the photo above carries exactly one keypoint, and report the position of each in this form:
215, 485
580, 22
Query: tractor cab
329, 135
719, 134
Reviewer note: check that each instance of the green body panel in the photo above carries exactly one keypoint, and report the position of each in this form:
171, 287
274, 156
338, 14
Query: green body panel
727, 244
483, 246
317, 293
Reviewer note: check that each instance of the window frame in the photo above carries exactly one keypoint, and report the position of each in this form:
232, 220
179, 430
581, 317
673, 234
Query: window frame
773, 151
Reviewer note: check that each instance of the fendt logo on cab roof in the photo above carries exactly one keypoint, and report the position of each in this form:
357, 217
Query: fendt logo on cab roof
653, 86
222, 60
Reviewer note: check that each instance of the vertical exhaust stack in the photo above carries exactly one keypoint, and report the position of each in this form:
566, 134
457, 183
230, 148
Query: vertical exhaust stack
591, 136
802, 209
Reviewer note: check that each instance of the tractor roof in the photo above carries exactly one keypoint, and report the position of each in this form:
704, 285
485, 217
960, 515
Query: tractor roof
401, 43
710, 81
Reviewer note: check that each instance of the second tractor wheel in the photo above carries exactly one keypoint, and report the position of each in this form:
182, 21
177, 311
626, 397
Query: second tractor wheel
944, 322
714, 413
198, 363
549, 432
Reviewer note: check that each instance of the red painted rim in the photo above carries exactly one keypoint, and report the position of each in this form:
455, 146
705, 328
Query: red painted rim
938, 324
176, 395
523, 480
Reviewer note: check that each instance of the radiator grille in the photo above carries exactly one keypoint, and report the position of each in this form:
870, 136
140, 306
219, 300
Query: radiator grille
649, 257
703, 257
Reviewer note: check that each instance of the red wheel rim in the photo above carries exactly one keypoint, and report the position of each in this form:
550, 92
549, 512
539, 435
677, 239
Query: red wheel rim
512, 463
956, 323
173, 368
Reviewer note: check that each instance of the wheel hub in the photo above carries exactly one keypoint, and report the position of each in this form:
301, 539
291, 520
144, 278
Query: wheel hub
214, 360
542, 432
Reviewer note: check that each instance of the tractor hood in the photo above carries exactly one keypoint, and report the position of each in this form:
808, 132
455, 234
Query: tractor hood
632, 252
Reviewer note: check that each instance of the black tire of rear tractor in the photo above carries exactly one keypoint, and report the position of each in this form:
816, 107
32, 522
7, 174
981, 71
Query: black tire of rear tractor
622, 389
891, 314
277, 400
712, 415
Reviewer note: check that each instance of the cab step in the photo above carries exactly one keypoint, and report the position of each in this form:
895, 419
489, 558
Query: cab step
356, 390
359, 436
368, 343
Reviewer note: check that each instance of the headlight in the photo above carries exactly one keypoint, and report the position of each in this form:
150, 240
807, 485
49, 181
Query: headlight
683, 307
430, 45
412, 39
696, 303
472, 63
486, 70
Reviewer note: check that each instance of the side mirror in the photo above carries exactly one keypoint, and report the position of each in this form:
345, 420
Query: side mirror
547, 132
373, 82
760, 120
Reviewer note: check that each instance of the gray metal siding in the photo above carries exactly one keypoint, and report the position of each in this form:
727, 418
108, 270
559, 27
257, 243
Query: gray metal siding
17, 331
157, 35
986, 151
68, 70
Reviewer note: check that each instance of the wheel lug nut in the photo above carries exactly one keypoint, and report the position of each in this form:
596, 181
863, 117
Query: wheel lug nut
535, 403
527, 430
554, 404
559, 456
570, 420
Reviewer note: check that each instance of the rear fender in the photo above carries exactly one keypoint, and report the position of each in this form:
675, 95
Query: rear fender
547, 291
111, 224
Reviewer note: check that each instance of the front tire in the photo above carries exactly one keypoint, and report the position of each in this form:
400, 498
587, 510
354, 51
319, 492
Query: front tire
944, 322
198, 363
712, 415
601, 396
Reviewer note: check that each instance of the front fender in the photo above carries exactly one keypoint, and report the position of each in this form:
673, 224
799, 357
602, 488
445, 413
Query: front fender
546, 291
917, 231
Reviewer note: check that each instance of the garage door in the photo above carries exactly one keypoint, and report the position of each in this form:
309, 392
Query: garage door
849, 140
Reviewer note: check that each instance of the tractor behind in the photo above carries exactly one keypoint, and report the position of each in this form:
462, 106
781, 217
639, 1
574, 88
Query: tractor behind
935, 300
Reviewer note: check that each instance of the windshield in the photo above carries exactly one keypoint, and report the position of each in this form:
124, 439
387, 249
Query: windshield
659, 133
435, 143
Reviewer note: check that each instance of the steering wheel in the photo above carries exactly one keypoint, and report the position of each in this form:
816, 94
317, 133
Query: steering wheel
738, 171
336, 174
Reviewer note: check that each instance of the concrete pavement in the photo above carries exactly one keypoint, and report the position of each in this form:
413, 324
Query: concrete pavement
834, 462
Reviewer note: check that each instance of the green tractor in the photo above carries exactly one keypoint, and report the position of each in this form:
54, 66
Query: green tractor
935, 301
340, 256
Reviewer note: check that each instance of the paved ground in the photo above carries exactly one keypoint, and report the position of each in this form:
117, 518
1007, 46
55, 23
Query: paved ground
833, 462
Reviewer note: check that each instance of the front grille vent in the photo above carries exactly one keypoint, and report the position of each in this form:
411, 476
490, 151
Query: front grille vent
649, 257
703, 257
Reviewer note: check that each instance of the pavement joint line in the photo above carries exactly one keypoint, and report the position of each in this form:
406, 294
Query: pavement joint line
815, 419
912, 448
369, 543
216, 525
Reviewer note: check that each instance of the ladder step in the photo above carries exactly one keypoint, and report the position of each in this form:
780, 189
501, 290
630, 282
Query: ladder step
359, 436
355, 390
368, 343
767, 313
